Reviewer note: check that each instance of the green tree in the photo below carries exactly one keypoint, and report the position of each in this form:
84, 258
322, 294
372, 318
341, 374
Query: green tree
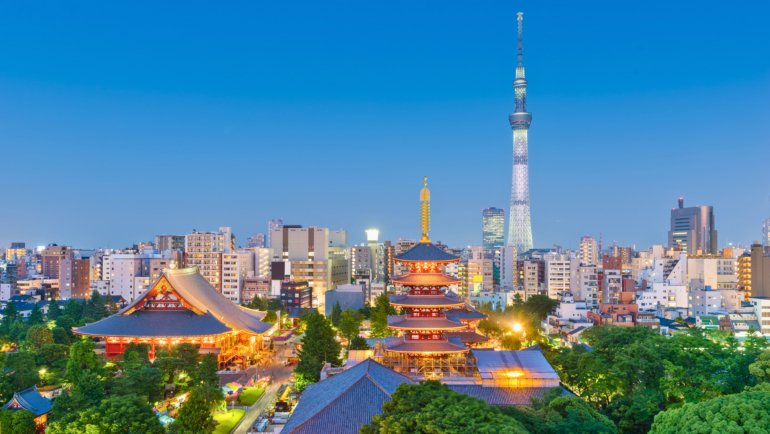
336, 314
186, 357
489, 327
10, 314
195, 415
54, 311
35, 315
379, 317
86, 394
53, 357
570, 414
74, 310
20, 373
760, 369
66, 322
257, 303
318, 346
358, 343
539, 306
350, 324
432, 407
144, 382
127, 414
39, 335
60, 336
745, 412
95, 308
270, 317
82, 359
207, 380
136, 356
17, 422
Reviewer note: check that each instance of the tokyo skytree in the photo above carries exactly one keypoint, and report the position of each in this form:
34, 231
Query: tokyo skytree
519, 223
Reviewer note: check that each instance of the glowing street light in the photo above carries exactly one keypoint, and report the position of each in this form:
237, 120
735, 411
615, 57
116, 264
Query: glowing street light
517, 327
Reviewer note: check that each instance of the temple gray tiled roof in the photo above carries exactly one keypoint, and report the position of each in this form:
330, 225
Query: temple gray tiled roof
343, 403
466, 314
31, 400
156, 323
426, 252
504, 396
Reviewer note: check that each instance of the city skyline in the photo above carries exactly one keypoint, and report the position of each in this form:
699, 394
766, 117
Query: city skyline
133, 142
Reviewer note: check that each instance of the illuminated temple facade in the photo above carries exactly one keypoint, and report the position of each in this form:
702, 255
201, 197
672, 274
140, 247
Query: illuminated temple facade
182, 307
436, 326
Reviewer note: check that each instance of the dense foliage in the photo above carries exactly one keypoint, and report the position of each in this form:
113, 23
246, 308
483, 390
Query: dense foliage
431, 407
319, 346
379, 316
632, 373
99, 396
746, 412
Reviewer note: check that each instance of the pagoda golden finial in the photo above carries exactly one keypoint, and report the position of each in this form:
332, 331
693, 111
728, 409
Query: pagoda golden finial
425, 210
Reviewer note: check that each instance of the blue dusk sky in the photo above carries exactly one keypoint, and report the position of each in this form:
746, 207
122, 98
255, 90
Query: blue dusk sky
121, 120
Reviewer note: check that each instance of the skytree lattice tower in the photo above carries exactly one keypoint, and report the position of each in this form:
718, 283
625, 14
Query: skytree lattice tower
519, 223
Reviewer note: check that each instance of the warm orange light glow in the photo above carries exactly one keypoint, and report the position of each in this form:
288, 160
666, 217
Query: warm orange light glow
517, 327
516, 373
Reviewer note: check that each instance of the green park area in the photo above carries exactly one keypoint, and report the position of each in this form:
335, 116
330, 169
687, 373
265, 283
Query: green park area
250, 395
228, 420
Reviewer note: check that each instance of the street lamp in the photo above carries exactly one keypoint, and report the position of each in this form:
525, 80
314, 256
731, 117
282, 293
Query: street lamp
517, 327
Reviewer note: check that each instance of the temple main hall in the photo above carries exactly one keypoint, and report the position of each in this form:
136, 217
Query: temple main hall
182, 307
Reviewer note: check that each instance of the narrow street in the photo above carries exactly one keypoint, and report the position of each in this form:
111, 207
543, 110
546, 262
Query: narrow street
281, 375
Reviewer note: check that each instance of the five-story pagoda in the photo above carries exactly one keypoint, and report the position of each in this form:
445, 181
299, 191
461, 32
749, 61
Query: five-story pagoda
424, 349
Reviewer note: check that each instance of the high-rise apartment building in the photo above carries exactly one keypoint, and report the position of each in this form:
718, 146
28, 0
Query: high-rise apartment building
51, 257
204, 250
257, 240
479, 272
272, 225
236, 267
129, 273
693, 229
492, 230
760, 271
530, 277
559, 269
508, 262
169, 242
75, 278
316, 255
15, 252
588, 252
766, 232
743, 273
611, 279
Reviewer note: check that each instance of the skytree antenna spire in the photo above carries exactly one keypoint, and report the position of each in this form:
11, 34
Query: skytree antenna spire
519, 222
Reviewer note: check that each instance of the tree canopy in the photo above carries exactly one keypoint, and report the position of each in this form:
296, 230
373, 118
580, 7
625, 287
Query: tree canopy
318, 346
379, 316
745, 412
431, 407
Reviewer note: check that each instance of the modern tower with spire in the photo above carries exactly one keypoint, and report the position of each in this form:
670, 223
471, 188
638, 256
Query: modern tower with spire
519, 222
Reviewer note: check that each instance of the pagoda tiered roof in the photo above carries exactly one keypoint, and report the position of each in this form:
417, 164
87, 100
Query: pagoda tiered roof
425, 346
425, 279
426, 252
440, 301
404, 322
